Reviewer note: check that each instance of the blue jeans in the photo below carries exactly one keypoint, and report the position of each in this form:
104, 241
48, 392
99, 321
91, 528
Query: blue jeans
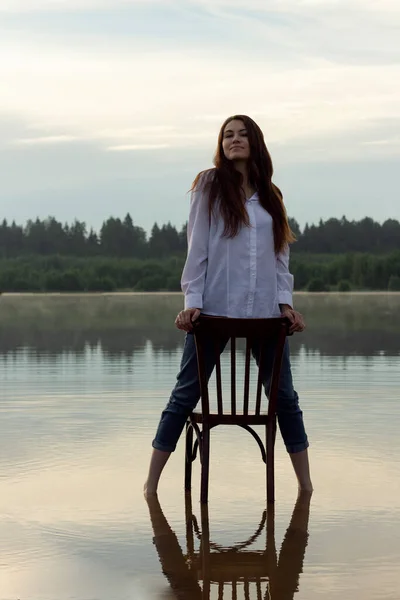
186, 395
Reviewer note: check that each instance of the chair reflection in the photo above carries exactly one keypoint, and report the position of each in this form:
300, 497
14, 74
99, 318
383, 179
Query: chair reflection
236, 572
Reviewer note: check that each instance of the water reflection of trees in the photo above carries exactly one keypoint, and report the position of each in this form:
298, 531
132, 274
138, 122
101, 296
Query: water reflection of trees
125, 342
121, 325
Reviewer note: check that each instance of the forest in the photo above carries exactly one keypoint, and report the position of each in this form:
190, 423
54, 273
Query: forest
47, 255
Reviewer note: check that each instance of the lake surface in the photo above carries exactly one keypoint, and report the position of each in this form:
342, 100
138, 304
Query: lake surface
83, 381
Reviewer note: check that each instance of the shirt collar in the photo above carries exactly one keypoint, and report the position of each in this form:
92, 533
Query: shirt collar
253, 198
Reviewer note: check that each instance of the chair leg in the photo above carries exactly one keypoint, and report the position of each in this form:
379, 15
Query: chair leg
205, 464
205, 552
188, 457
189, 526
272, 556
270, 445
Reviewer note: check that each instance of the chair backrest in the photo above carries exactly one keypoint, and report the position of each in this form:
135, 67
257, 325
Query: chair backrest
218, 331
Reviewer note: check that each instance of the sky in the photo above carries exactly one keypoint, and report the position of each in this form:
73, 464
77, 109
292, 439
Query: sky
113, 106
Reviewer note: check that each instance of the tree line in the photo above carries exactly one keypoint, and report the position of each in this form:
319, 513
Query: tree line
116, 238
45, 255
123, 239
74, 274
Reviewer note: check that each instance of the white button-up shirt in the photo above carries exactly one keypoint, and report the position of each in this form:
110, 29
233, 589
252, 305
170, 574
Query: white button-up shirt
238, 277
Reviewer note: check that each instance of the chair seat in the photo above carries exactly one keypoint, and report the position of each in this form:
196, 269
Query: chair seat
229, 576
224, 567
229, 419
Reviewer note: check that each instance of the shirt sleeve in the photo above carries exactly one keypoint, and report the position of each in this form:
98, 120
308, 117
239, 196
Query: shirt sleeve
194, 271
284, 278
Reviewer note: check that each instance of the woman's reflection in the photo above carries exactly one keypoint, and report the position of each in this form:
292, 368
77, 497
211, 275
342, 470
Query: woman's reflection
260, 573
176, 568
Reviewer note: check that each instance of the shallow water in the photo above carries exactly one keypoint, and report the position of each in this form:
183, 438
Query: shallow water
84, 379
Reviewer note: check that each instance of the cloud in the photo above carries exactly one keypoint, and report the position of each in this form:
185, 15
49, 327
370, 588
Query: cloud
303, 6
302, 76
147, 99
385, 142
50, 139
18, 6
297, 6
129, 147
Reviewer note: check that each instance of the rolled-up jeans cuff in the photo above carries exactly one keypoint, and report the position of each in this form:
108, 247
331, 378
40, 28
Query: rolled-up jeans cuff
157, 446
294, 448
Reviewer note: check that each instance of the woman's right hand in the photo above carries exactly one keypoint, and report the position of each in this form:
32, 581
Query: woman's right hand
185, 317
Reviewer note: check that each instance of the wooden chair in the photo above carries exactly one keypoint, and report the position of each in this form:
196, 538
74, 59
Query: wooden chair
237, 412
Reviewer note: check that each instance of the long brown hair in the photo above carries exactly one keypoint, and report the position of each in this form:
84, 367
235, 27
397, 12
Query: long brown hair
224, 185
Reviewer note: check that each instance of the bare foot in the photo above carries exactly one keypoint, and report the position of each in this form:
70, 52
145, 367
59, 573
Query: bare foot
157, 463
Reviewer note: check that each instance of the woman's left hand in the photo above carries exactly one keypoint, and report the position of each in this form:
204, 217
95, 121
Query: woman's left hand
297, 323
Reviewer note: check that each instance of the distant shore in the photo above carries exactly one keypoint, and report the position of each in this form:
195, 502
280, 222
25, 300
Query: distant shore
131, 293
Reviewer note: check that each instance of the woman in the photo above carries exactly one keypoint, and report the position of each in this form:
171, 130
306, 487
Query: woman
236, 266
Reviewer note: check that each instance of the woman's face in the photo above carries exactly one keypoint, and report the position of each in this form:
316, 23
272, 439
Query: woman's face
235, 143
